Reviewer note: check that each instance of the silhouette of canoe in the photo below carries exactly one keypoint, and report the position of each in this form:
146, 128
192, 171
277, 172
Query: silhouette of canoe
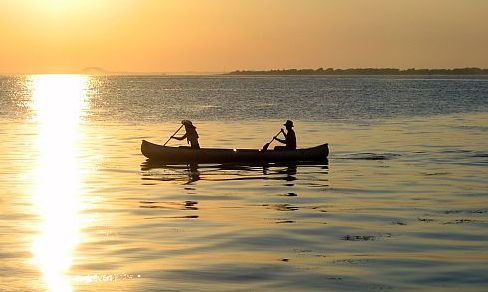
213, 155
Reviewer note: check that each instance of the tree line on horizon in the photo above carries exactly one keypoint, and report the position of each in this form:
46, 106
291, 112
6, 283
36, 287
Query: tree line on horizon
365, 71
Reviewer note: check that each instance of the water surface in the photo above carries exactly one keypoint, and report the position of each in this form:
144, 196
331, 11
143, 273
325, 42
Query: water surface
401, 204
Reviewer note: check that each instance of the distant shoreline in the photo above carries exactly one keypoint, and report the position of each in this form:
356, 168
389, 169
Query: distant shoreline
364, 71
282, 72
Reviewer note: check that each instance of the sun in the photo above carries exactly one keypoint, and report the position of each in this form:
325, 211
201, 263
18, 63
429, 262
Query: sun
62, 3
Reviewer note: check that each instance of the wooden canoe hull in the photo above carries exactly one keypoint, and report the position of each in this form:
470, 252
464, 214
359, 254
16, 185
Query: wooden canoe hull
210, 155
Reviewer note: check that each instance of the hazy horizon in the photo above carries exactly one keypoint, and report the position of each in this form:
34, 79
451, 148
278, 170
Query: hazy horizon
104, 71
216, 36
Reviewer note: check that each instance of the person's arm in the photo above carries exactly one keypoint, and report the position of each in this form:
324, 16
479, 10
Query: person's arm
179, 138
281, 140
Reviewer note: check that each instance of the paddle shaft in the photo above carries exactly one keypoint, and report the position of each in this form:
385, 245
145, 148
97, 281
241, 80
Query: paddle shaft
173, 135
265, 147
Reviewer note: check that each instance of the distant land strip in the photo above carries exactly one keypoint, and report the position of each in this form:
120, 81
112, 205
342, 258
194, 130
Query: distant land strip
365, 71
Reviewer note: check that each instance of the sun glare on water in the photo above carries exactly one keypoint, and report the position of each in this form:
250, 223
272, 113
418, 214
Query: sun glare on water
58, 102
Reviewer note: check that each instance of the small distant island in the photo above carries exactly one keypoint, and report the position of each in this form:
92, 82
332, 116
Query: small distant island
94, 71
102, 71
365, 71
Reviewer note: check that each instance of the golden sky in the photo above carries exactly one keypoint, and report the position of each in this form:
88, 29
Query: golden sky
61, 36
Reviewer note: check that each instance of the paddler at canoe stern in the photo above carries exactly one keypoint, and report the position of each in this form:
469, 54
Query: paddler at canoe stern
290, 140
191, 134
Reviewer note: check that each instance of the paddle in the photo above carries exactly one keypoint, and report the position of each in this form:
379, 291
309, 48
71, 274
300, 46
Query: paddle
265, 147
173, 135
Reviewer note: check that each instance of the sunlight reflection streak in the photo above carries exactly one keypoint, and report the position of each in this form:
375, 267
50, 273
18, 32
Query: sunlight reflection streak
58, 101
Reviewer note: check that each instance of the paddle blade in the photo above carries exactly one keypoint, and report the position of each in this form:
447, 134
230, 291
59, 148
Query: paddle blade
265, 147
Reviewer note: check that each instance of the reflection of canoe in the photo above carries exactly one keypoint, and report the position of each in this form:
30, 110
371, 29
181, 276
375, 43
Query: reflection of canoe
212, 155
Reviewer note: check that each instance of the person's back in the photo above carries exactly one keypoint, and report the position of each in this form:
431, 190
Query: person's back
192, 136
290, 140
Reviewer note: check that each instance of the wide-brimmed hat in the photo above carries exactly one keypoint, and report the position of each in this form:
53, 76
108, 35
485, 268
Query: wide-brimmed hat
288, 123
186, 123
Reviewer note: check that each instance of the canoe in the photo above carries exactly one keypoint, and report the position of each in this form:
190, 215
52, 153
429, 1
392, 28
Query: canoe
213, 155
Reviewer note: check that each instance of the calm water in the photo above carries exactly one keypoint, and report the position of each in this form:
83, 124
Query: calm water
402, 203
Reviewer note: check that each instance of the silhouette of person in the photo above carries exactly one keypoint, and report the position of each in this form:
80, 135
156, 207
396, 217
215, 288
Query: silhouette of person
290, 140
191, 134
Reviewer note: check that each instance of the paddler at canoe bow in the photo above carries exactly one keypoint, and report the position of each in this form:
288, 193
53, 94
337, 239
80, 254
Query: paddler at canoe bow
191, 134
290, 140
